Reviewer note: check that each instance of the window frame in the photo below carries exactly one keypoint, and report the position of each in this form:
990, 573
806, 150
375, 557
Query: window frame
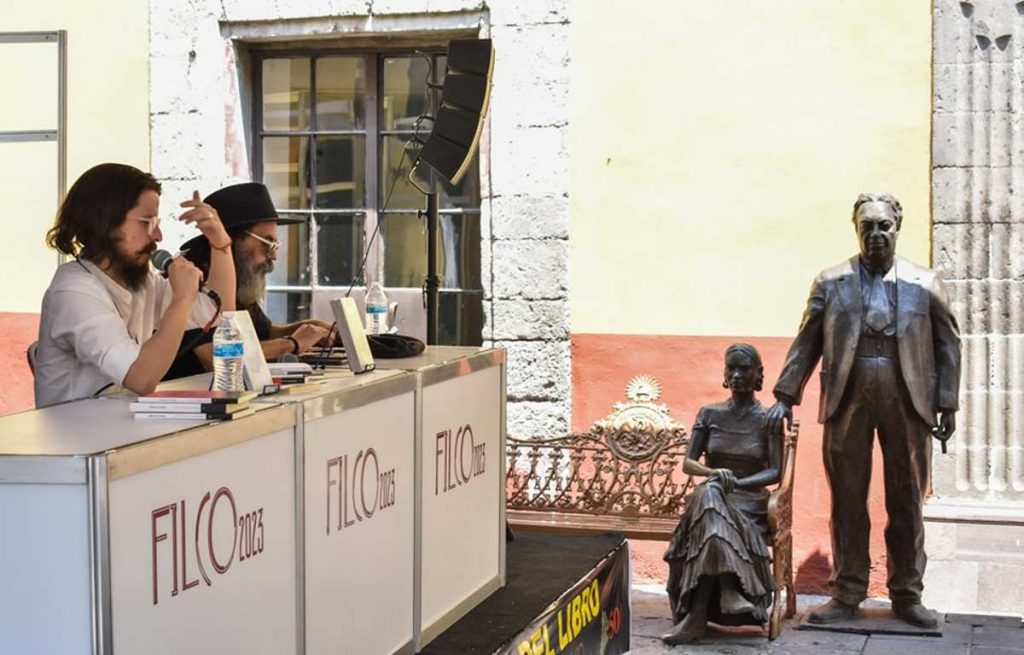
374, 211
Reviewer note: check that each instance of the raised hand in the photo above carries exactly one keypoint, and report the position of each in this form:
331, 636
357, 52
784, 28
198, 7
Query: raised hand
206, 218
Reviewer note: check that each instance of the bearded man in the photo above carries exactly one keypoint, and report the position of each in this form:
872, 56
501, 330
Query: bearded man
106, 318
248, 214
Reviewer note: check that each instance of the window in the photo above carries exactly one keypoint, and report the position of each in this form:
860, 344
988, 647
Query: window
331, 131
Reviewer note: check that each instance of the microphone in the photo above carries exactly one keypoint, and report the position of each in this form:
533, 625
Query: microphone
161, 261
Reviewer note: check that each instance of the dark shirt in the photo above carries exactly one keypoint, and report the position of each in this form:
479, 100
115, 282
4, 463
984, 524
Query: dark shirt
186, 363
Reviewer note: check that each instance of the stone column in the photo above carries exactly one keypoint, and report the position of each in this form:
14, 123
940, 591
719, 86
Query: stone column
976, 518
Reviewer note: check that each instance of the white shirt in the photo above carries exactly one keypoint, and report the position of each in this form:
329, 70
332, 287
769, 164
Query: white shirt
92, 329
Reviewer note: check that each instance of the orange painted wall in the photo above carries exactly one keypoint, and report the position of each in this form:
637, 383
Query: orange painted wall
690, 371
17, 331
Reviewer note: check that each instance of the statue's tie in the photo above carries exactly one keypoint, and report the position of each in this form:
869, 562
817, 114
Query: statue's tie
878, 316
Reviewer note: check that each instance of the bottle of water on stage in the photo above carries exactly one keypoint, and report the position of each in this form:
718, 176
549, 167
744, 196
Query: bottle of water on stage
376, 310
227, 355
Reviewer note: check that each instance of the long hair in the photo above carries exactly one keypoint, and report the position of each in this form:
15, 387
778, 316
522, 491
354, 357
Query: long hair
95, 207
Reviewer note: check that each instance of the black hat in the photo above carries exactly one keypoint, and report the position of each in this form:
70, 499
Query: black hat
239, 205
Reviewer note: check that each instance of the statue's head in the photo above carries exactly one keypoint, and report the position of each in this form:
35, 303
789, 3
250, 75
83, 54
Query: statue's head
743, 370
877, 219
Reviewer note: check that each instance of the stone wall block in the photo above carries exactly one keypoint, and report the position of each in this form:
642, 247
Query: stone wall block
999, 292
177, 146
531, 320
531, 217
949, 96
975, 361
945, 597
530, 161
953, 41
488, 329
423, 6
1015, 324
526, 12
1006, 238
976, 434
538, 419
950, 195
978, 308
538, 370
251, 10
1015, 434
542, 104
952, 140
531, 55
531, 269
1000, 140
1001, 588
486, 248
948, 251
1015, 362
956, 290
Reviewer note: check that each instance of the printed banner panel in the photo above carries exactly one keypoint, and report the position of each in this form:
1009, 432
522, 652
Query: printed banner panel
202, 553
461, 486
592, 618
359, 474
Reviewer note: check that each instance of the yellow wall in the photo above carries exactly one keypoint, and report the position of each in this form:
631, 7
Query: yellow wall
716, 149
108, 120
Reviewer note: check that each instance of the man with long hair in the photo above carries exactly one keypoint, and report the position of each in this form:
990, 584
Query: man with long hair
107, 319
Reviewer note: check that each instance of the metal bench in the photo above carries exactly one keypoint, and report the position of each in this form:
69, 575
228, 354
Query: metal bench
626, 475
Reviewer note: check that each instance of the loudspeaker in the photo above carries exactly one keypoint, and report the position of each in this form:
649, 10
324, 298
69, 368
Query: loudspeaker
460, 119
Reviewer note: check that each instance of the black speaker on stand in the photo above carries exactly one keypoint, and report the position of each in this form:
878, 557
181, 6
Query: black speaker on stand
453, 141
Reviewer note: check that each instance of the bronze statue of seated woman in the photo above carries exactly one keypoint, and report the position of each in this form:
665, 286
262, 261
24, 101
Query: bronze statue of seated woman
719, 566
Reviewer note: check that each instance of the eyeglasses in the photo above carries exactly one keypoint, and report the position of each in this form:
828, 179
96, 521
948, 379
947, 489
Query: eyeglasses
270, 244
152, 222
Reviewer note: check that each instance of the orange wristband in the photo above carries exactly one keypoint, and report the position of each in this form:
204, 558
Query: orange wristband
223, 248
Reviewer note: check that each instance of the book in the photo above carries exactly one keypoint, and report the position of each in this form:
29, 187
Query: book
289, 379
189, 408
198, 396
194, 416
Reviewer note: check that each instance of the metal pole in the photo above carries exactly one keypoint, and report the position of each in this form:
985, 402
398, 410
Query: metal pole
433, 282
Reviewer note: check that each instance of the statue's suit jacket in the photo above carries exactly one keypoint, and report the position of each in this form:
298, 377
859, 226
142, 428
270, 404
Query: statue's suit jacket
926, 332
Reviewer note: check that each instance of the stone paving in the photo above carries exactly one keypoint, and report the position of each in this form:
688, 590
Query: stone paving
962, 635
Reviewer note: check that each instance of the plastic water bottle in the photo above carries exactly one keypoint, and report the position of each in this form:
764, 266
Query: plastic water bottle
376, 310
228, 350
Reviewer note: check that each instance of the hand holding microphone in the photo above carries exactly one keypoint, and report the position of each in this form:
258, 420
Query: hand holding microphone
185, 277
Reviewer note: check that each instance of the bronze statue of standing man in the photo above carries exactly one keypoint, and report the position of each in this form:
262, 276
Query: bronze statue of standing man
890, 362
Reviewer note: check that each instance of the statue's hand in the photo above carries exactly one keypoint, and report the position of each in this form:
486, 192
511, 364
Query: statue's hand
727, 477
781, 412
947, 426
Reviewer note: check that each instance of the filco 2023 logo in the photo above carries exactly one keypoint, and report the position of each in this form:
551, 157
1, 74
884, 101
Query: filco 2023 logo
357, 489
187, 547
459, 458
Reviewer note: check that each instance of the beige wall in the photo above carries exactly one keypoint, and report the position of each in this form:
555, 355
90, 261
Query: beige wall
108, 120
716, 149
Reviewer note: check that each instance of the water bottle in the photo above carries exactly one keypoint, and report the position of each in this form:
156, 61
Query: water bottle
227, 355
376, 310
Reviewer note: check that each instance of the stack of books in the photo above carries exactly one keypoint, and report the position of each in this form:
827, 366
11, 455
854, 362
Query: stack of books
189, 405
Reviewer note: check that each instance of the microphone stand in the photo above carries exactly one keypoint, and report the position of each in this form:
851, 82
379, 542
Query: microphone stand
432, 283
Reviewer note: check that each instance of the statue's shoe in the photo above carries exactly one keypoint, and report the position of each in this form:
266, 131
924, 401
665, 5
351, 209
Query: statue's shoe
832, 612
683, 633
733, 602
915, 614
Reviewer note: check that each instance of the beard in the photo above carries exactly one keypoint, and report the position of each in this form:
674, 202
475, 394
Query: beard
250, 280
131, 271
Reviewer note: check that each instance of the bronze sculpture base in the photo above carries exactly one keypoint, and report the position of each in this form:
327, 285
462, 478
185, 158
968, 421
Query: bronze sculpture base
875, 620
